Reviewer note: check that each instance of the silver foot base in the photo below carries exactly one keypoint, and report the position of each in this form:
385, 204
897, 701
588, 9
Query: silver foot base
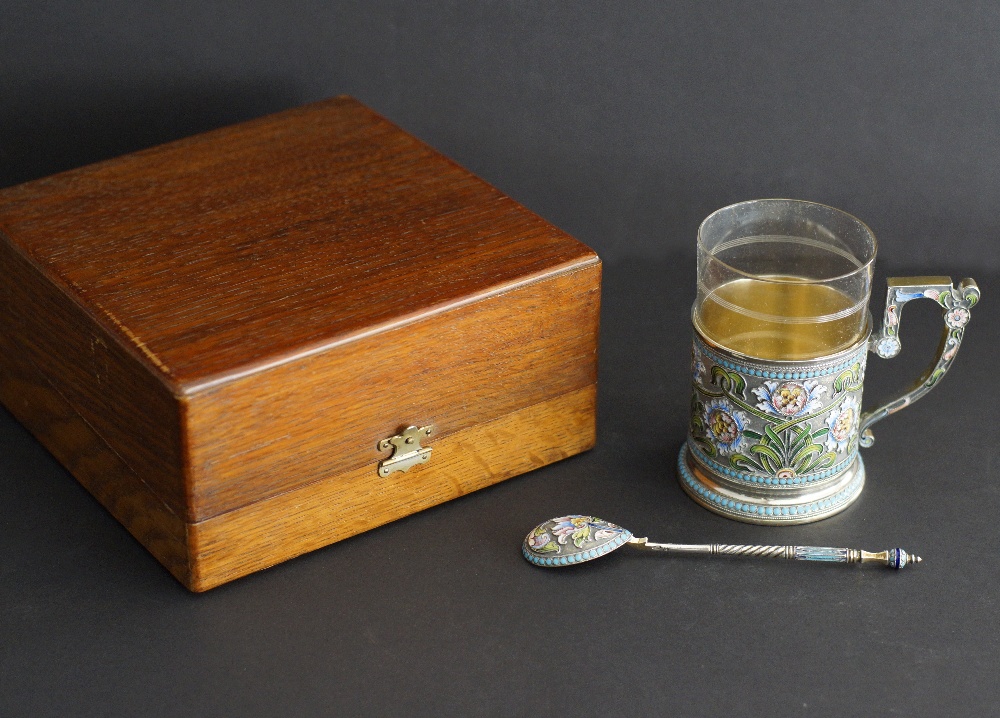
772, 507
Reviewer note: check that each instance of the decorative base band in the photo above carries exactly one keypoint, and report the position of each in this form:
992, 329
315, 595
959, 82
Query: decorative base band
760, 506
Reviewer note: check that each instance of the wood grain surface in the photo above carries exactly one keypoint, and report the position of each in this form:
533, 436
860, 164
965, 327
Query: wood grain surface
119, 398
324, 414
252, 244
236, 317
290, 524
50, 417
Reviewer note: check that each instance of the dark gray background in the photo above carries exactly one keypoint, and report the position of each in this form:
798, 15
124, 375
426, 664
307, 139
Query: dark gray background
624, 123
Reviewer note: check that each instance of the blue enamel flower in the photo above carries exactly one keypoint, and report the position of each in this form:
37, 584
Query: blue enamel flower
887, 347
789, 399
842, 424
724, 425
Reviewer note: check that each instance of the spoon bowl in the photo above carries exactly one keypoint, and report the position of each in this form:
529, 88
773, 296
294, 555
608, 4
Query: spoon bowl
573, 539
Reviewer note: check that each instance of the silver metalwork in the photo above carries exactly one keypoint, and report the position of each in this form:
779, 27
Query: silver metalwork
956, 303
575, 538
407, 451
776, 442
893, 558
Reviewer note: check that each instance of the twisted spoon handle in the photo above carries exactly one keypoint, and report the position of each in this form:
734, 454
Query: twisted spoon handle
893, 557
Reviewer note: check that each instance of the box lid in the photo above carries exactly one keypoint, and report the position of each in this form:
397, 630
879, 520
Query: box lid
219, 255
253, 309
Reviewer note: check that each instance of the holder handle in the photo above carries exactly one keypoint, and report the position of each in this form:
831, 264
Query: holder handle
956, 303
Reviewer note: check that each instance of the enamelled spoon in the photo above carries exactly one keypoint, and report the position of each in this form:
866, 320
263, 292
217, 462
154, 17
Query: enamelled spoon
574, 539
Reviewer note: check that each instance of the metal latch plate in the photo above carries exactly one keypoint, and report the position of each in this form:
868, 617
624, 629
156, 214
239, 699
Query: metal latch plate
407, 451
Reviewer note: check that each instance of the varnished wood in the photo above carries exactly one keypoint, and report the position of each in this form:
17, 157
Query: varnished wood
324, 414
224, 252
290, 524
207, 554
33, 401
119, 398
239, 317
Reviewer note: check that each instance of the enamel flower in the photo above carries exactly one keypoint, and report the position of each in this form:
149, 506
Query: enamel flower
789, 399
842, 423
540, 540
887, 347
578, 529
957, 317
724, 425
697, 365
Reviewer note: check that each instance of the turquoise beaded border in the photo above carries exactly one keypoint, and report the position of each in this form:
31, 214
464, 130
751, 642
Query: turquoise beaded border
857, 357
748, 509
754, 479
574, 558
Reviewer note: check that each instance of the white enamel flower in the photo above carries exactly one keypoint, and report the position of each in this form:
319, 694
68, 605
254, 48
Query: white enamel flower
789, 399
842, 424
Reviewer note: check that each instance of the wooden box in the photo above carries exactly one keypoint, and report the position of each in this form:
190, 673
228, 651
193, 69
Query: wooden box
215, 336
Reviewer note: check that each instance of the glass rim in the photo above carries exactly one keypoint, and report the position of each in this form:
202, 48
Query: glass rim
866, 265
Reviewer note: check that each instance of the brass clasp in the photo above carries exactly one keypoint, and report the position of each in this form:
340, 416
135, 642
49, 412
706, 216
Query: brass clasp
407, 451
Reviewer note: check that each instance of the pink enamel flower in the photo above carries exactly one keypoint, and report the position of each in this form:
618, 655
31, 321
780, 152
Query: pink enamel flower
957, 317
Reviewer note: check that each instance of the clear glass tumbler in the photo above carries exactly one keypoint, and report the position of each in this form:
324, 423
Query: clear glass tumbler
783, 279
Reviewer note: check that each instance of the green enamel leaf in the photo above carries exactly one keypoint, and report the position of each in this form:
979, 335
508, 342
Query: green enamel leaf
821, 461
766, 451
548, 548
730, 381
848, 379
805, 452
801, 437
706, 446
772, 437
826, 460
744, 463
933, 379
768, 457
581, 535
801, 420
752, 435
806, 467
